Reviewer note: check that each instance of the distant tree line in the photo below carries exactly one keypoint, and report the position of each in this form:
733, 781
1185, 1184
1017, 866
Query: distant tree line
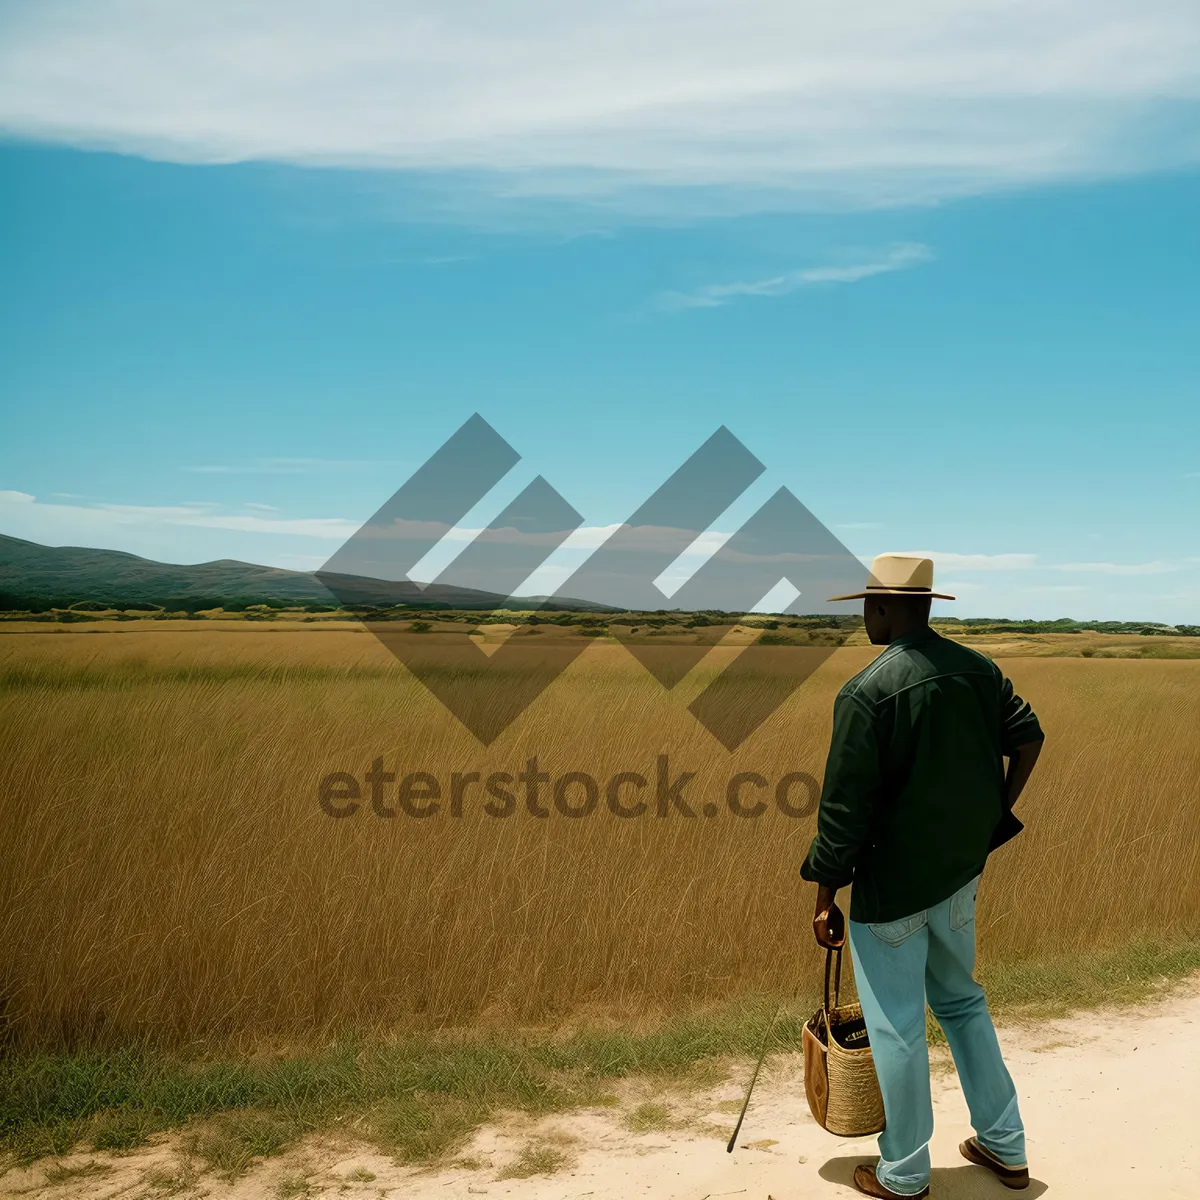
40, 603
67, 606
1064, 625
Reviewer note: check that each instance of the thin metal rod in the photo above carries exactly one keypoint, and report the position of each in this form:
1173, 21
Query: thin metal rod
753, 1079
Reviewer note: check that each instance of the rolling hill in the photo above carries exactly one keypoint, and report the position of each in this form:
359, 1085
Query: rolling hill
63, 575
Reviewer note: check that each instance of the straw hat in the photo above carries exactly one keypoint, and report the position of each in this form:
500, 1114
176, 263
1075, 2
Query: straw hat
899, 575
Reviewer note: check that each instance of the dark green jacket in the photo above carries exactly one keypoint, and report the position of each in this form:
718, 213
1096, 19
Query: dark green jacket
912, 799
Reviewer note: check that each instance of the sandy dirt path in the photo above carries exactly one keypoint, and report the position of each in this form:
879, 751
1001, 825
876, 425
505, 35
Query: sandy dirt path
1111, 1103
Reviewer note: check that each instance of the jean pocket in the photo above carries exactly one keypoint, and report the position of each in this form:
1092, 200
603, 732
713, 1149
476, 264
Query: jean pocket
896, 933
962, 905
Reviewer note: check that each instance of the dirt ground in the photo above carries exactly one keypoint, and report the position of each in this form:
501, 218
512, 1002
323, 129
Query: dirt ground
1109, 1100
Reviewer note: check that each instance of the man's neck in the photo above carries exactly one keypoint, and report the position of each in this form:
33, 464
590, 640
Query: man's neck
916, 629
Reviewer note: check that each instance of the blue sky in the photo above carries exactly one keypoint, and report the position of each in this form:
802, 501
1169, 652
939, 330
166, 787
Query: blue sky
944, 286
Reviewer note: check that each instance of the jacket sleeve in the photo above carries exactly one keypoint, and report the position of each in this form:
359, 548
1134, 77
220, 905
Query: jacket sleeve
848, 798
1019, 723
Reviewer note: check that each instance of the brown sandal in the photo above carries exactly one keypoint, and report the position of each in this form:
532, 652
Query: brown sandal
867, 1183
1012, 1177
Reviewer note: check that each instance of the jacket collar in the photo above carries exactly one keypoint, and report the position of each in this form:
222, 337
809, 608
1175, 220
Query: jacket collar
914, 639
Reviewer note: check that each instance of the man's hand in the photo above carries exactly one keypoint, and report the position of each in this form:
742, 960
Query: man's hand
1020, 766
829, 925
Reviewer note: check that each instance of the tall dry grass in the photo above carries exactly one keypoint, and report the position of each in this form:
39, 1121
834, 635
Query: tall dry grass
167, 871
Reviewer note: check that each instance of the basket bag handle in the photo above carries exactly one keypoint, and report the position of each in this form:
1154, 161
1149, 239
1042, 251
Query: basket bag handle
833, 963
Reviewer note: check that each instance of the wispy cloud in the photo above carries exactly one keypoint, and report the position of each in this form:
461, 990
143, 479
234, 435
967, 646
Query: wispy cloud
976, 562
897, 258
1159, 566
1029, 562
763, 104
279, 466
33, 518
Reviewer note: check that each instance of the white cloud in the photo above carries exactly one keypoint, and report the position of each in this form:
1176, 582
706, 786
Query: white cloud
897, 258
279, 466
767, 102
976, 562
1027, 562
1157, 567
986, 584
24, 516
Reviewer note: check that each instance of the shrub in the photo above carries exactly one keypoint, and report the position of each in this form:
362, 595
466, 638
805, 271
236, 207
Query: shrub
191, 604
237, 603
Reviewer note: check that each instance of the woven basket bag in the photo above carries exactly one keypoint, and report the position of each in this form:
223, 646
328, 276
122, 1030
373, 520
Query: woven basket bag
839, 1072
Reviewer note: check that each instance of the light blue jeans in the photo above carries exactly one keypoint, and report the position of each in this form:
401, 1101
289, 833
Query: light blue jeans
896, 965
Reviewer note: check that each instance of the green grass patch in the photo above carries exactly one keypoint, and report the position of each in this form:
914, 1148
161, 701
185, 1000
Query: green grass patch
534, 1160
421, 1096
171, 1181
230, 1142
292, 1186
60, 1173
1053, 987
648, 1117
121, 1128
423, 1127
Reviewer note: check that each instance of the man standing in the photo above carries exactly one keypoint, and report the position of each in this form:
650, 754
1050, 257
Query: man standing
915, 797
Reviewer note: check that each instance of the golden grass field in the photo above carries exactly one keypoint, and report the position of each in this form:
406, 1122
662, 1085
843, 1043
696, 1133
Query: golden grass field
168, 871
